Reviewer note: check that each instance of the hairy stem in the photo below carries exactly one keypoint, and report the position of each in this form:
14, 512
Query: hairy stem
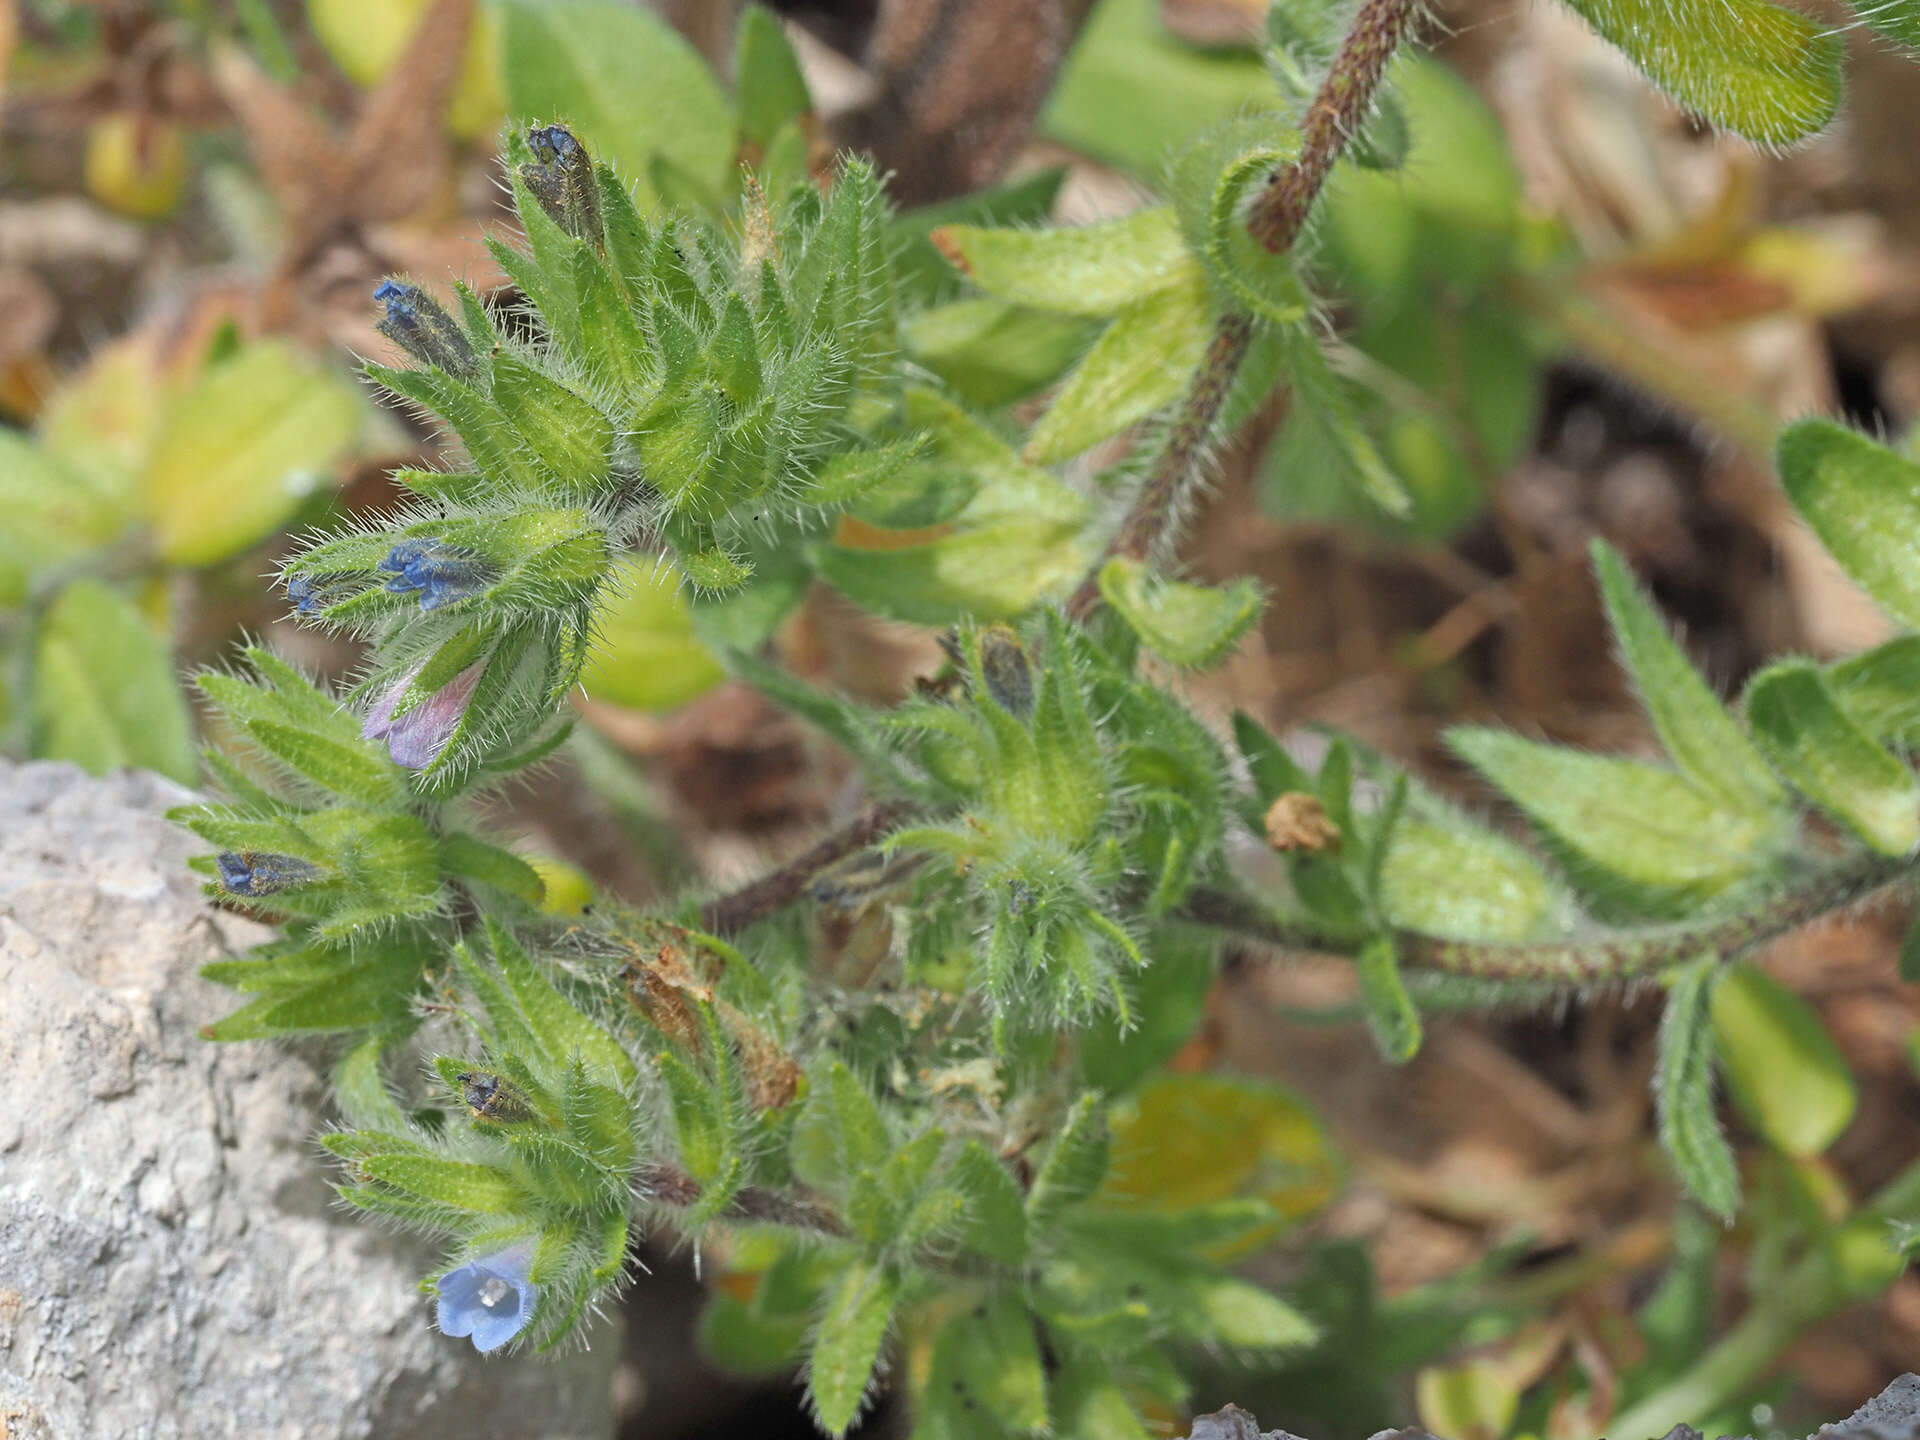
671, 1186
1275, 220
1620, 955
1334, 118
734, 912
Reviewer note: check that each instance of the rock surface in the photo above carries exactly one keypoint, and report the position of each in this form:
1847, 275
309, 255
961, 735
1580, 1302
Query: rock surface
170, 1262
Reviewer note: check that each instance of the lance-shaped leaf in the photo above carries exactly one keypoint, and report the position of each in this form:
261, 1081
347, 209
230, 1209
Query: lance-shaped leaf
104, 693
1463, 882
1142, 361
1683, 1090
1192, 625
847, 1347
1830, 759
1783, 1069
1325, 428
1075, 1165
1758, 69
1863, 501
1390, 1014
1076, 270
571, 437
480, 1189
1630, 833
1705, 741
990, 1355
1880, 690
994, 1222
474, 859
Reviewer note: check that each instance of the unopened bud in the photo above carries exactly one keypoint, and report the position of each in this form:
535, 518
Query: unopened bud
561, 178
439, 572
415, 322
1298, 821
1005, 672
255, 873
313, 593
490, 1096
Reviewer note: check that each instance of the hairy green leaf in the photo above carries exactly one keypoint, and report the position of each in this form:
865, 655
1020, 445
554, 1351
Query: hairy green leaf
847, 1346
1094, 270
1194, 626
1683, 1088
1830, 759
1704, 740
1758, 69
1142, 361
1863, 501
1640, 836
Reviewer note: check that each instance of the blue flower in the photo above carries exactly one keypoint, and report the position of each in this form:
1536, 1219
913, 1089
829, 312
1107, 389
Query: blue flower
417, 324
440, 572
253, 872
490, 1299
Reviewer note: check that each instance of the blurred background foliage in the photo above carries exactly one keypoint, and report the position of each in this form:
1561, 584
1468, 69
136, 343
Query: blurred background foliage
1573, 311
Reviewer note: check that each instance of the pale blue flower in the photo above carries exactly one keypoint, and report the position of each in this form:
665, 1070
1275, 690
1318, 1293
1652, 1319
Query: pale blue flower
490, 1299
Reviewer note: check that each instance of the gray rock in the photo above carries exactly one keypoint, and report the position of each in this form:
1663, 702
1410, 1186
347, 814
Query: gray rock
170, 1261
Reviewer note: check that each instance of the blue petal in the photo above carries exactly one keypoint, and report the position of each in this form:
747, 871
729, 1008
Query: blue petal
460, 1300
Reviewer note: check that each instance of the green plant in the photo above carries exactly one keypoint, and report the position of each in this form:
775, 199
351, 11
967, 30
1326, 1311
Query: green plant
979, 1150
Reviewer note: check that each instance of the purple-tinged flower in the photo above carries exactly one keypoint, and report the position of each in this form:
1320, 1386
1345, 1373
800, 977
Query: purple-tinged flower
254, 872
417, 737
490, 1299
439, 572
415, 322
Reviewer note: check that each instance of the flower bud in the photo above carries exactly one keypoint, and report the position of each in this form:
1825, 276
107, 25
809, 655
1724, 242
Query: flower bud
491, 1096
561, 178
441, 573
416, 738
313, 593
415, 322
254, 872
1005, 672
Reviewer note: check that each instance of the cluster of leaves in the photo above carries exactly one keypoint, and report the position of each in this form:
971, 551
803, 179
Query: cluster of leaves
971, 1147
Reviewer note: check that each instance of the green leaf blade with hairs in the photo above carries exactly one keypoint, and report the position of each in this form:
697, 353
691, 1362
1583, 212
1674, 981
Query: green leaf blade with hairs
1683, 1090
1390, 1012
1636, 837
1194, 626
1755, 68
1095, 270
846, 1348
1831, 760
1705, 741
1141, 362
1863, 501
